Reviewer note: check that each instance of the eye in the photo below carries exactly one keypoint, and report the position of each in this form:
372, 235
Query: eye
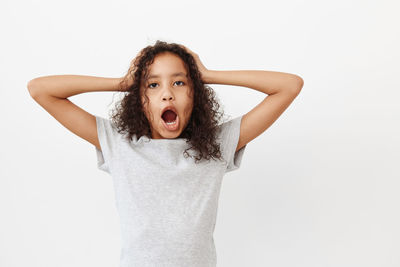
151, 84
181, 82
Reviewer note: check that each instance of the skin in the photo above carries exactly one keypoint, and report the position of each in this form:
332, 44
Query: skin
167, 90
52, 93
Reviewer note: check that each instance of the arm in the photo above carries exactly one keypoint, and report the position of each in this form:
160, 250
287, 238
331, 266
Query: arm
268, 82
281, 88
51, 93
64, 86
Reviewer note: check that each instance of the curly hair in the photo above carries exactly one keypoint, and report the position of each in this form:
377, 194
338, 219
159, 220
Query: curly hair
202, 128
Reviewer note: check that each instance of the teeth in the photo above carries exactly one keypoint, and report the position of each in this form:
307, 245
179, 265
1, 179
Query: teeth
170, 123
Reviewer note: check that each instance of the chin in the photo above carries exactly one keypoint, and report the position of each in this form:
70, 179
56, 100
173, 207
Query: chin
171, 135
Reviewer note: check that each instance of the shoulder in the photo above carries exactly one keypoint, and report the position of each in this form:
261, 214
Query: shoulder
107, 129
227, 129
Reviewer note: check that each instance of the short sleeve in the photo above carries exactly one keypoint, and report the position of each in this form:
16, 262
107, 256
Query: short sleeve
108, 139
229, 136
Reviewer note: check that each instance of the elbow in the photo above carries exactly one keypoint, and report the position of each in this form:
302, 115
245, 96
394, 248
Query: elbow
32, 87
298, 84
29, 85
301, 82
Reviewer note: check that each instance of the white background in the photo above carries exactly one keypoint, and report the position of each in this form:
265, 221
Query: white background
318, 188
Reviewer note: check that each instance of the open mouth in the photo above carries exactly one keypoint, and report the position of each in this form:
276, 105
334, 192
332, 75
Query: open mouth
170, 119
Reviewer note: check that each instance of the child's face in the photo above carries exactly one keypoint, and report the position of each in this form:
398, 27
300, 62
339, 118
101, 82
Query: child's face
167, 90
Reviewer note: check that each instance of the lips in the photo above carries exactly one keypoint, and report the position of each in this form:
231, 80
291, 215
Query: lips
170, 107
170, 126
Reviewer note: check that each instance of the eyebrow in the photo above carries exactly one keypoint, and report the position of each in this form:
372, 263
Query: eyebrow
172, 75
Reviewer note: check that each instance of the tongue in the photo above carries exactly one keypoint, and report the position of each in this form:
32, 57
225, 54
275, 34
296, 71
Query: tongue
169, 116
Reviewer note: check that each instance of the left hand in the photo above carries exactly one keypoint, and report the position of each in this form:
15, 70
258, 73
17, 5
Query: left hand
203, 70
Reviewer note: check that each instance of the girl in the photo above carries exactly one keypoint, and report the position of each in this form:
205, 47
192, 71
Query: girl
165, 148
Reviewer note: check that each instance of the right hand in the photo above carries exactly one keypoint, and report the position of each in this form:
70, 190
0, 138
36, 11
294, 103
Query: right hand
128, 78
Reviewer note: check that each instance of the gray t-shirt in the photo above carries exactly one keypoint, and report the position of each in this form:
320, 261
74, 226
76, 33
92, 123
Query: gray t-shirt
166, 202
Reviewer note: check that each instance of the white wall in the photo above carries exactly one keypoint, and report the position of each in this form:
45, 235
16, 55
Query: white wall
318, 188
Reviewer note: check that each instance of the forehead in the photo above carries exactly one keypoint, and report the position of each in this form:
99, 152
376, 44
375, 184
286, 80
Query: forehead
166, 65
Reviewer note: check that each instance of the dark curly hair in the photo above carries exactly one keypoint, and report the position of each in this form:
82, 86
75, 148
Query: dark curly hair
202, 128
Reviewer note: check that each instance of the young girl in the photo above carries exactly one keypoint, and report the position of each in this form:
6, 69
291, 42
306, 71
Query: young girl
165, 148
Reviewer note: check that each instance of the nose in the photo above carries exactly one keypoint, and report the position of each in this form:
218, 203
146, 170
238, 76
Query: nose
167, 94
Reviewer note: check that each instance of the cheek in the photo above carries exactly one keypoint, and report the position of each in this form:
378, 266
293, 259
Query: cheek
150, 112
146, 111
188, 109
187, 98
146, 107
